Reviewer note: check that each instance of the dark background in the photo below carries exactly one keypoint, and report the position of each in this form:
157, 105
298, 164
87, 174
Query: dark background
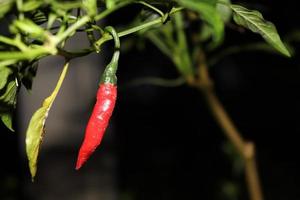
166, 141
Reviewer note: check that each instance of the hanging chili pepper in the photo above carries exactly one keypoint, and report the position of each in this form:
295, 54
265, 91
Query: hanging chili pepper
106, 98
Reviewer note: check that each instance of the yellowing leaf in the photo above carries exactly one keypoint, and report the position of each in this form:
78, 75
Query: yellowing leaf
36, 128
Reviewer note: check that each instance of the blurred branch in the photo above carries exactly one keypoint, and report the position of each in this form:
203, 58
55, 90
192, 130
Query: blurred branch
260, 46
155, 81
161, 45
245, 148
293, 36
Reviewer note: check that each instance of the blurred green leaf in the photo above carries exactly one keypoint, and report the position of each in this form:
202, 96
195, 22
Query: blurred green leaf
254, 21
171, 40
181, 50
211, 2
160, 44
224, 11
5, 71
230, 190
236, 49
210, 15
8, 102
31, 5
236, 159
8, 94
7, 120
28, 74
293, 36
90, 6
110, 3
206, 32
36, 128
61, 7
38, 17
27, 27
5, 6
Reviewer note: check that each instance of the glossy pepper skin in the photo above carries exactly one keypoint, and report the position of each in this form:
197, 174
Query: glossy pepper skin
103, 109
98, 122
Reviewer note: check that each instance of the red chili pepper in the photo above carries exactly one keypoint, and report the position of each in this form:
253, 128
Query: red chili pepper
106, 98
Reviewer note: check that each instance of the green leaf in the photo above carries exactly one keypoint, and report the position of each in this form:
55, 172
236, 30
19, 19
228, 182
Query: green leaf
31, 5
211, 2
110, 3
253, 20
209, 14
182, 58
7, 120
224, 10
5, 71
8, 102
171, 40
5, 6
36, 128
205, 33
8, 97
28, 27
28, 74
59, 5
38, 17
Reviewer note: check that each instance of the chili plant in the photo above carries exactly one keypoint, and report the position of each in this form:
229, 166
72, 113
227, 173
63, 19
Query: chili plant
37, 29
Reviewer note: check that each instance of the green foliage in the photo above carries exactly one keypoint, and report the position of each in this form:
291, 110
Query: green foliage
31, 5
111, 3
90, 6
29, 74
5, 6
28, 28
224, 11
172, 41
254, 21
8, 101
5, 71
7, 120
39, 28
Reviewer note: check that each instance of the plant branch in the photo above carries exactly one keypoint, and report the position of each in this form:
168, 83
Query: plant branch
74, 54
259, 46
109, 11
160, 44
156, 81
151, 7
13, 42
55, 40
244, 148
149, 24
28, 55
72, 29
